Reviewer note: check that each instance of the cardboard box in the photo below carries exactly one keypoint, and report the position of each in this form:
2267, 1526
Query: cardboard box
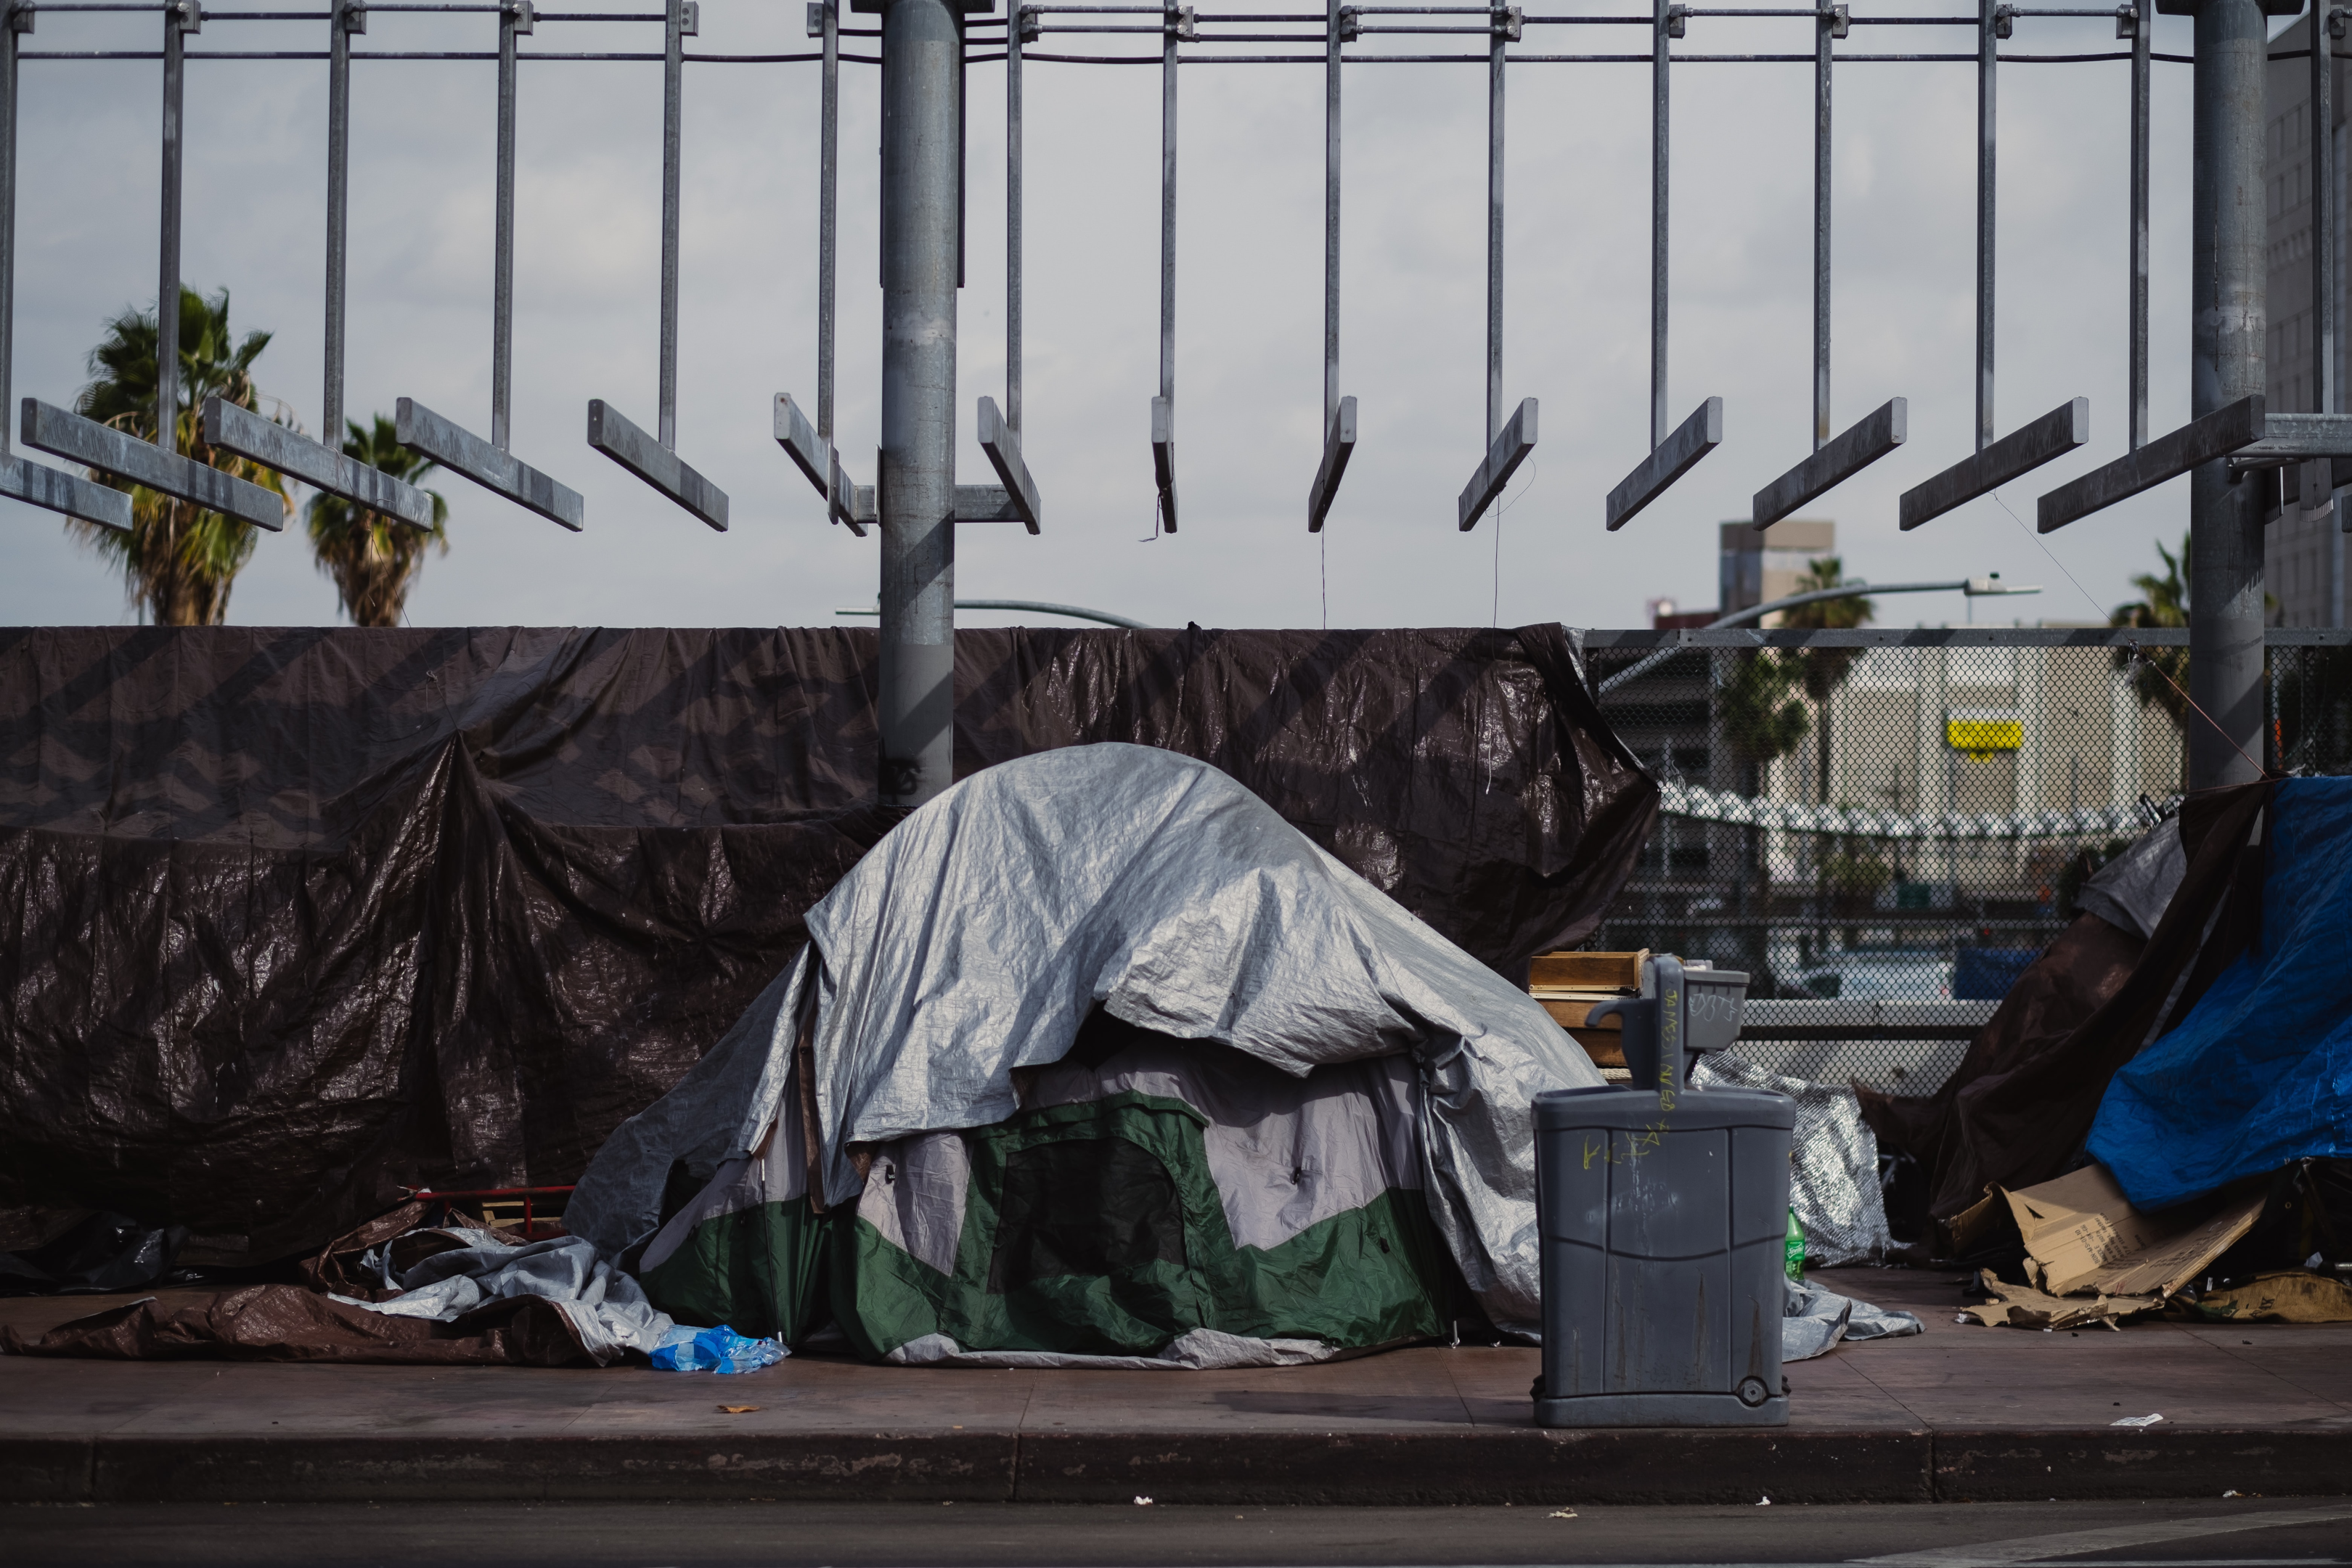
2082, 1234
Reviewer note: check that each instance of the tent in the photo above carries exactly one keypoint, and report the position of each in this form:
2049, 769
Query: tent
1097, 1056
2258, 1074
2157, 926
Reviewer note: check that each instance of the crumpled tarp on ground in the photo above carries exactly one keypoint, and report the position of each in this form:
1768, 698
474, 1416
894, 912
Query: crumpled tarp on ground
98, 1253
606, 1311
1815, 1321
1834, 1161
288, 1322
2258, 1073
293, 919
977, 940
2018, 1109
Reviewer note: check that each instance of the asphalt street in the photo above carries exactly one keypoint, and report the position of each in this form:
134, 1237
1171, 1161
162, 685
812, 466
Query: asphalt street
2238, 1532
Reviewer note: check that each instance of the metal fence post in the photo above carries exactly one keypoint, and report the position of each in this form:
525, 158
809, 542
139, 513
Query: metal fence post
1661, 21
2228, 294
1988, 105
514, 18
1495, 40
9, 45
179, 19
828, 213
1331, 215
338, 188
2143, 31
1825, 27
673, 109
1012, 216
915, 487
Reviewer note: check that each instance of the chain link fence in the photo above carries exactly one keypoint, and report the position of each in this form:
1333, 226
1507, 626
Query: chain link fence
1884, 827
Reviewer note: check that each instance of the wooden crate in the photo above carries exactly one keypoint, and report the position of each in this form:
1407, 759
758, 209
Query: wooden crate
1570, 985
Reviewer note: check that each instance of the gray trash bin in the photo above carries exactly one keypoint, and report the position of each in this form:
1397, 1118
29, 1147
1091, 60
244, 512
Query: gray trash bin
1663, 1212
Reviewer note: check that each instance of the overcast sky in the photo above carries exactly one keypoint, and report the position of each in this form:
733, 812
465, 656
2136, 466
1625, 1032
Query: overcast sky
1249, 312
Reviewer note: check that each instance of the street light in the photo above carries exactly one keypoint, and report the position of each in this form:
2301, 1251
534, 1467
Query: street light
1975, 588
1035, 606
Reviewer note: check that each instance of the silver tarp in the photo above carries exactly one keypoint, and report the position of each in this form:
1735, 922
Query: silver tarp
2131, 891
1834, 1161
978, 935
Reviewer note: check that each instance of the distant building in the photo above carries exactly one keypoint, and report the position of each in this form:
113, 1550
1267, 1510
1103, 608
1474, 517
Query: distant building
1757, 565
2301, 546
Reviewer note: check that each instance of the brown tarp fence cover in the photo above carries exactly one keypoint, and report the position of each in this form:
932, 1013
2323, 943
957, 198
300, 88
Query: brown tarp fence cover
293, 919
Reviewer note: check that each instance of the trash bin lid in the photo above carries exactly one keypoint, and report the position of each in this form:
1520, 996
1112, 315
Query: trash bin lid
1621, 1108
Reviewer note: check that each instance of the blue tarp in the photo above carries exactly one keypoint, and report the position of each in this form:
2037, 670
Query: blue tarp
2259, 1074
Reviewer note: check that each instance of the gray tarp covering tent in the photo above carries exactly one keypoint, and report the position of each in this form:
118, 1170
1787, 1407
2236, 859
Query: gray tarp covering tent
1097, 1054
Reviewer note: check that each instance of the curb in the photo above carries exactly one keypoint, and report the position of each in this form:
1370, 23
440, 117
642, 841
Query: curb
1517, 1466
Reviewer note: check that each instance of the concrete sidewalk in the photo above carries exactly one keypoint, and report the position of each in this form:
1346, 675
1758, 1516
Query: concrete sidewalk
1961, 1412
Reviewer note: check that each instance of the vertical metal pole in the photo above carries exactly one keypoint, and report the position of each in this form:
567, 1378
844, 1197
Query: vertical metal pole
1821, 34
2143, 32
922, 55
828, 204
2322, 113
1012, 220
1494, 43
1331, 218
1988, 102
2229, 320
1659, 37
1168, 208
339, 175
167, 270
11, 16
2327, 388
673, 91
502, 249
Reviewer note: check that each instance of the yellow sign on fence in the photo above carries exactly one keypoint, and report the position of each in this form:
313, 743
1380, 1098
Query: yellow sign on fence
1978, 736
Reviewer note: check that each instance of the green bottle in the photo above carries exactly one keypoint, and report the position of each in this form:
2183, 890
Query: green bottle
1795, 1248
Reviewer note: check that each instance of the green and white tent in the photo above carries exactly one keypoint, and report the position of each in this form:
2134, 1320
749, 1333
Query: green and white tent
1096, 1060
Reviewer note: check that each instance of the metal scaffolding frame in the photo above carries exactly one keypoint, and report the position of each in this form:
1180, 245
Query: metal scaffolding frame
2236, 445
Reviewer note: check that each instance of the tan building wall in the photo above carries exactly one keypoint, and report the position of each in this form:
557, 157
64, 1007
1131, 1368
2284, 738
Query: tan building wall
1758, 566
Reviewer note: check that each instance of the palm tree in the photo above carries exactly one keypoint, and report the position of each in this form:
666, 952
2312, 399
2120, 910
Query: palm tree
374, 559
1825, 668
2161, 676
178, 561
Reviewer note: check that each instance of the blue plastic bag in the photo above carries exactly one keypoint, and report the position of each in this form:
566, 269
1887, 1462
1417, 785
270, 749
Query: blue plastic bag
720, 1349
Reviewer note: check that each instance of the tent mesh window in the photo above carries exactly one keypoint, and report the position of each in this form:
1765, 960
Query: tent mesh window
1085, 1206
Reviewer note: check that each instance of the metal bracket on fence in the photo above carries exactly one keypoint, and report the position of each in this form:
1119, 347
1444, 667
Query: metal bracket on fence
1004, 450
1163, 457
2020, 452
1503, 459
2295, 439
1696, 437
70, 493
1338, 446
467, 455
2217, 435
815, 458
54, 430
265, 441
611, 433
1878, 433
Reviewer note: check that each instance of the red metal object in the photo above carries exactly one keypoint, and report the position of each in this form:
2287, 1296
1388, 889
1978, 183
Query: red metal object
527, 1195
